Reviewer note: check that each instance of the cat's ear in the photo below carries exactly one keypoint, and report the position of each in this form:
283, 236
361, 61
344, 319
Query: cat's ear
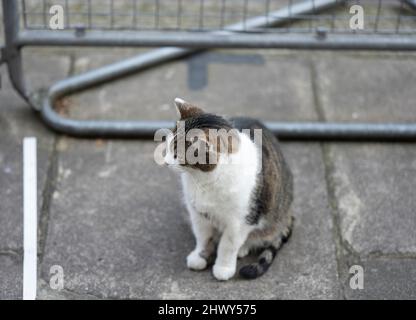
187, 110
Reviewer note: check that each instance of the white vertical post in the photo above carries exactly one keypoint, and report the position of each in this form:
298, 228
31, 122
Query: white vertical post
29, 219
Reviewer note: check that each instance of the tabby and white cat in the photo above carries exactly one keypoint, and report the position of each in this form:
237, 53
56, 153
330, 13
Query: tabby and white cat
238, 204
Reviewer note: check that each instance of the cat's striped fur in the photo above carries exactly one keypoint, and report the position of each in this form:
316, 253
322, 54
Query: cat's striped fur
242, 205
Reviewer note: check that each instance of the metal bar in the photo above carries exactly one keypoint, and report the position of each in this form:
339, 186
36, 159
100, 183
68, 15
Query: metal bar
114, 71
2, 55
134, 22
24, 13
89, 14
399, 17
201, 14
267, 9
222, 17
284, 130
290, 4
126, 38
245, 9
344, 131
411, 3
111, 13
377, 16
220, 40
11, 52
67, 15
45, 12
157, 14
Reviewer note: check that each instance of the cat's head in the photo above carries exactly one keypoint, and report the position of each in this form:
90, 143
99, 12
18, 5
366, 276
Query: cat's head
200, 140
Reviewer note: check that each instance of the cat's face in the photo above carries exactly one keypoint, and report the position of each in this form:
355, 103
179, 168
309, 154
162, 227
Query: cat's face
199, 140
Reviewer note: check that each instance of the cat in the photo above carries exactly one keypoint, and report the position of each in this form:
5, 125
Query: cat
239, 198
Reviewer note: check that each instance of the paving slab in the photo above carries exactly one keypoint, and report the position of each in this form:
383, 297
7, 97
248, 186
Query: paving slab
115, 221
11, 269
19, 121
45, 292
116, 228
367, 88
226, 82
375, 196
372, 185
386, 278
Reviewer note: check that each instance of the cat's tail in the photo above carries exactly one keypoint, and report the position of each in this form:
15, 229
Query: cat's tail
265, 259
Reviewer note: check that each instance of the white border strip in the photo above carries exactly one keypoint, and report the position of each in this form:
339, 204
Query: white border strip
29, 219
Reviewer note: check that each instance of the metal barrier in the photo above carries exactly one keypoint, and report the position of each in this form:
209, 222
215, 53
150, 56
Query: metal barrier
185, 27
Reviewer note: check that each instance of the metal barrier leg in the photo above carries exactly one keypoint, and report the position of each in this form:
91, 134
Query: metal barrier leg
411, 3
11, 53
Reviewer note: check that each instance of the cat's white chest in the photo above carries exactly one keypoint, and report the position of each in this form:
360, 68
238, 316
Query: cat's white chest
206, 199
201, 200
224, 195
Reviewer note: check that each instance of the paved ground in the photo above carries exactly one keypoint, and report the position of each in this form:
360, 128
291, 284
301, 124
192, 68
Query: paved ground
112, 218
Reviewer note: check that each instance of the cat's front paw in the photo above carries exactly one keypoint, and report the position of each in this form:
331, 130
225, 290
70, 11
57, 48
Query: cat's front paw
223, 273
195, 262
